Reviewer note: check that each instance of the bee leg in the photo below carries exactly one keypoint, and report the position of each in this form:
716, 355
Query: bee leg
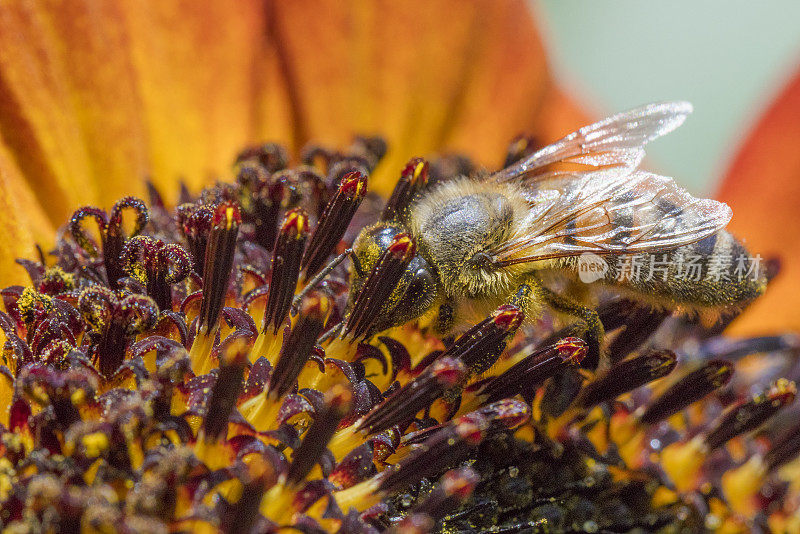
445, 317
594, 331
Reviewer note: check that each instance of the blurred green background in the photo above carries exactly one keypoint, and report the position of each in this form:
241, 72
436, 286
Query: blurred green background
728, 57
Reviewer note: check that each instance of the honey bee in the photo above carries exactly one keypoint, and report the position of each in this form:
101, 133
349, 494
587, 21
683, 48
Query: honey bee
508, 236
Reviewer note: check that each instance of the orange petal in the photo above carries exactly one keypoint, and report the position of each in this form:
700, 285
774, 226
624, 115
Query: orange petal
763, 188
22, 224
428, 75
95, 97
199, 73
37, 118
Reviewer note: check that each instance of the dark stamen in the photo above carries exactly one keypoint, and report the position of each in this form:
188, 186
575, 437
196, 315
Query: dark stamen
639, 323
444, 374
413, 179
373, 148
784, 449
627, 376
114, 238
157, 265
225, 392
285, 268
482, 344
519, 148
271, 156
736, 349
260, 196
297, 348
379, 286
337, 406
752, 413
196, 222
333, 222
446, 447
218, 264
689, 389
451, 443
453, 489
116, 317
526, 375
244, 515
266, 210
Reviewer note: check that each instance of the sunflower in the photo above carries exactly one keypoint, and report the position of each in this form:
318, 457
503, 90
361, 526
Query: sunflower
187, 349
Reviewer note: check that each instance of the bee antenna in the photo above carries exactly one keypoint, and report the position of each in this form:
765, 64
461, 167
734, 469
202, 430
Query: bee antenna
319, 277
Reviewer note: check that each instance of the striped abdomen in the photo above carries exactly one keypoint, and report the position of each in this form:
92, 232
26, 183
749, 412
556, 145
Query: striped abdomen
712, 274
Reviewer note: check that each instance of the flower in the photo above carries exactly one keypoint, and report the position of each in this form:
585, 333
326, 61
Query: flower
217, 366
206, 371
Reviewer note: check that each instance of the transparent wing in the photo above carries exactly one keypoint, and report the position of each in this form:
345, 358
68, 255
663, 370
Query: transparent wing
617, 141
610, 212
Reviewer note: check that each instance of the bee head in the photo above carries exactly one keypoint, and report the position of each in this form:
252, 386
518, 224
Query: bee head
411, 296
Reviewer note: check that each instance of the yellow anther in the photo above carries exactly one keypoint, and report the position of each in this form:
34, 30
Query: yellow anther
94, 444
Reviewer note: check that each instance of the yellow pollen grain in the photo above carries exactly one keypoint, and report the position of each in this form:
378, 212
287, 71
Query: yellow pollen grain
418, 169
77, 397
301, 224
94, 444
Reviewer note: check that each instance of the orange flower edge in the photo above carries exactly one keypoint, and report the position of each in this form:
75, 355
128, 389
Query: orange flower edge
762, 187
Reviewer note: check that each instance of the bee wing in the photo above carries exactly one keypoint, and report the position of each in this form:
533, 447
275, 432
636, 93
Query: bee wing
617, 141
610, 211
